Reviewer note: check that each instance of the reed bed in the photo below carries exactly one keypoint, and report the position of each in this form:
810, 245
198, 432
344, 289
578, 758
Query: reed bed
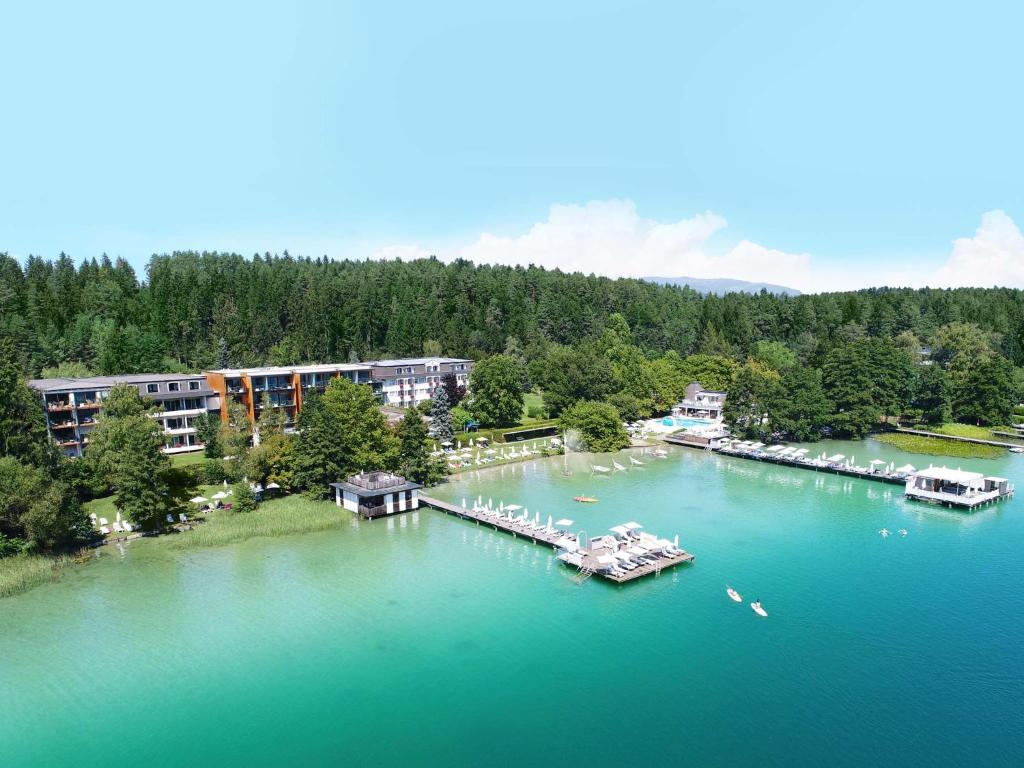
23, 572
276, 517
936, 446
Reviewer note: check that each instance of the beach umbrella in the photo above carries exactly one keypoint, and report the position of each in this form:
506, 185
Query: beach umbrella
549, 521
490, 502
459, 444
225, 483
199, 500
675, 541
220, 495
875, 462
536, 519
513, 507
563, 523
463, 502
273, 486
501, 507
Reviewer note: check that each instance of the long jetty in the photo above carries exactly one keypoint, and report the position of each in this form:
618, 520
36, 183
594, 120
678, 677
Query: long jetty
769, 458
588, 564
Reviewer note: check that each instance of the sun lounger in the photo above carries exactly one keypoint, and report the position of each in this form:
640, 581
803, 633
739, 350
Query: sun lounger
103, 521
183, 518
104, 530
118, 528
128, 527
170, 518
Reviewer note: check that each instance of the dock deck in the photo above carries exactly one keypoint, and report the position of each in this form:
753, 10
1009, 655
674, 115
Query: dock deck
588, 562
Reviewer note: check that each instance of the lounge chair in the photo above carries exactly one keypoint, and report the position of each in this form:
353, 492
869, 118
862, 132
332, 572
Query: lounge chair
128, 527
170, 518
118, 528
183, 517
103, 521
104, 530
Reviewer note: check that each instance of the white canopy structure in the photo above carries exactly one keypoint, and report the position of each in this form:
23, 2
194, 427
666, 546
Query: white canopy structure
906, 468
512, 507
837, 457
632, 526
619, 529
563, 523
220, 495
199, 500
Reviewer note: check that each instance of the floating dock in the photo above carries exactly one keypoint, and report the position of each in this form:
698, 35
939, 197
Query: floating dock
587, 561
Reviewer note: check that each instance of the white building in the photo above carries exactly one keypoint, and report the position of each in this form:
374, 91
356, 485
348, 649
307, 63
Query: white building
956, 487
408, 382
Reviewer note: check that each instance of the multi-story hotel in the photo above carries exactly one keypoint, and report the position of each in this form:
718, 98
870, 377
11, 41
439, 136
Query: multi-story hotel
71, 406
409, 382
282, 387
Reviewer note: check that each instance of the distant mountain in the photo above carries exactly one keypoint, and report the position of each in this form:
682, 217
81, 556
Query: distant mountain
719, 286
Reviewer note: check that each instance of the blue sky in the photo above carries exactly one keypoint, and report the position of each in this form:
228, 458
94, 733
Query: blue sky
822, 145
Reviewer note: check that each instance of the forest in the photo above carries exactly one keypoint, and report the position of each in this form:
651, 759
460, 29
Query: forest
100, 316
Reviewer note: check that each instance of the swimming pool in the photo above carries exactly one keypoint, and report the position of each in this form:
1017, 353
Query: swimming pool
681, 421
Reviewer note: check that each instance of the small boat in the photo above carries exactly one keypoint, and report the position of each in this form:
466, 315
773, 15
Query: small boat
585, 499
734, 595
599, 468
1017, 450
636, 461
618, 466
660, 452
756, 605
884, 532
902, 531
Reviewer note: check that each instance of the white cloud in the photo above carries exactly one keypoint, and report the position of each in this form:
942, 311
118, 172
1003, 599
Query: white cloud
994, 256
610, 238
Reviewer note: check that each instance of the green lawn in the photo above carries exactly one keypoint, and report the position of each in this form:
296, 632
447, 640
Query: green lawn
532, 400
187, 459
937, 446
962, 430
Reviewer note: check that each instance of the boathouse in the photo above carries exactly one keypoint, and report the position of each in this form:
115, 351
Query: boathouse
376, 494
956, 487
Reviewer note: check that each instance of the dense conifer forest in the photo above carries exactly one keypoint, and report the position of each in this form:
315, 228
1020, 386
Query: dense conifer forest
100, 315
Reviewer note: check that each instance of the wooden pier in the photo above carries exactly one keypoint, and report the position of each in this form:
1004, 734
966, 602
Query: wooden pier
588, 564
786, 461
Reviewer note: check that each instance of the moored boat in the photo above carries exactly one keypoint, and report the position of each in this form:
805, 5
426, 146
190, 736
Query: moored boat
585, 499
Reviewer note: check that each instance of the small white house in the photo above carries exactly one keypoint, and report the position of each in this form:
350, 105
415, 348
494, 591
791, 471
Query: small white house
956, 487
376, 494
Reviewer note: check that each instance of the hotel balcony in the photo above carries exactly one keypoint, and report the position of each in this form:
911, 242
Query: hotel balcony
59, 406
64, 425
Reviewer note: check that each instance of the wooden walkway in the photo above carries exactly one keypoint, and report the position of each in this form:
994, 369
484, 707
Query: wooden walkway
785, 461
543, 536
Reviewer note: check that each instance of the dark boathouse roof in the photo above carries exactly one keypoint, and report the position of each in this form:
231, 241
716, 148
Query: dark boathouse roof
368, 484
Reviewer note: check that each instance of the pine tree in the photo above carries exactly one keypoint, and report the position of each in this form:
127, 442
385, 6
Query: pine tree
223, 356
441, 413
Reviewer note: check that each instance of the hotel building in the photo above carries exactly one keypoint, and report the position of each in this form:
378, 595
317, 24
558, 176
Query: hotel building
408, 382
71, 406
283, 387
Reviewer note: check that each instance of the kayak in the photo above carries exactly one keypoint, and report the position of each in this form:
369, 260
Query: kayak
733, 594
756, 605
585, 499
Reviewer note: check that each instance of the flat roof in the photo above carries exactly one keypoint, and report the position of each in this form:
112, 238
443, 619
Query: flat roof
418, 361
273, 370
102, 382
952, 475
364, 492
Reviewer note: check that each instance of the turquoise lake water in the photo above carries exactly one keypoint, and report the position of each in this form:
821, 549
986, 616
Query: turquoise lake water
426, 640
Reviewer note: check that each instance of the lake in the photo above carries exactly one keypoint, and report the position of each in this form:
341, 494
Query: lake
427, 640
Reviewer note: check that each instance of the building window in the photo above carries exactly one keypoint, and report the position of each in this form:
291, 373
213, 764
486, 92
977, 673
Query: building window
152, 389
194, 384
174, 386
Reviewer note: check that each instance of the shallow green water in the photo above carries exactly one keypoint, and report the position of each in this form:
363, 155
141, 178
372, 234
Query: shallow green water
427, 640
